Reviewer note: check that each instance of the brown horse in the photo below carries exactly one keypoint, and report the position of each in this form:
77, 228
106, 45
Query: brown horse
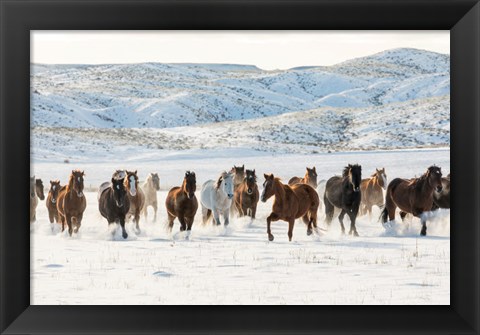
181, 202
246, 195
414, 196
371, 189
71, 202
310, 178
52, 200
136, 198
36, 191
239, 176
291, 202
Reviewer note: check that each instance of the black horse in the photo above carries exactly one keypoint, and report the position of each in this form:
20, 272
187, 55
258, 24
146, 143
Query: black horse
113, 202
344, 193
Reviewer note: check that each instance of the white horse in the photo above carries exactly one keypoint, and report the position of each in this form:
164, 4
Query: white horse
321, 191
150, 188
36, 191
217, 196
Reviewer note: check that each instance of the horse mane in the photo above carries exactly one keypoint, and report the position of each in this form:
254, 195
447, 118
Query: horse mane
219, 180
70, 183
346, 170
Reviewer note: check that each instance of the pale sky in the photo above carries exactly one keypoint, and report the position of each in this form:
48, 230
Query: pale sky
268, 50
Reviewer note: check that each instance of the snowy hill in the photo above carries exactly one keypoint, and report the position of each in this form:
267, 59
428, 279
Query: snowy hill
336, 107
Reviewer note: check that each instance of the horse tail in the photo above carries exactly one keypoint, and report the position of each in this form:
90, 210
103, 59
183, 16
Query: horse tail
384, 215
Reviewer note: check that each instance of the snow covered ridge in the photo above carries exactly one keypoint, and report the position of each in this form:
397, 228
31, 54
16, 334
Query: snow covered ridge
412, 124
155, 95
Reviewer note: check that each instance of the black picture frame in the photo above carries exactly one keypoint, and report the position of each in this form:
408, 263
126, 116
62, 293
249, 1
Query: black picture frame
18, 17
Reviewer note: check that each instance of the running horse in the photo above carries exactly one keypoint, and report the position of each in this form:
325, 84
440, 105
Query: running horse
344, 193
150, 188
246, 195
71, 202
414, 196
216, 197
182, 203
36, 192
136, 198
310, 178
291, 202
372, 191
113, 202
238, 173
52, 200
442, 199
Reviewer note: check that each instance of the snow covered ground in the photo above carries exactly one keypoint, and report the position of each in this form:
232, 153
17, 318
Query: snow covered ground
237, 264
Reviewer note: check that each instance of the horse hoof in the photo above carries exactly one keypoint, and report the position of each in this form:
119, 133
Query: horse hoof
309, 232
423, 233
125, 235
355, 234
270, 237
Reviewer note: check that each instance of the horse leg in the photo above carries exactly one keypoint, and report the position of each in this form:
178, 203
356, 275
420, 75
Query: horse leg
137, 220
308, 222
122, 224
423, 232
270, 218
78, 222
403, 215
69, 223
340, 218
189, 223
216, 217
51, 216
291, 222
353, 228
226, 215
183, 224
154, 211
171, 218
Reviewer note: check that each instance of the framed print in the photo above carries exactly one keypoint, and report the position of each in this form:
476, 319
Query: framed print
239, 160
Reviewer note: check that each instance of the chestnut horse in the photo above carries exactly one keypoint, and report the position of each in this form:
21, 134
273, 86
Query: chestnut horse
414, 196
136, 198
310, 178
150, 188
291, 202
372, 194
238, 173
71, 202
52, 200
181, 202
246, 195
36, 191
344, 193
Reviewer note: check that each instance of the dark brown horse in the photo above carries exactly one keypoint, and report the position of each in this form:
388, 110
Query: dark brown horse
135, 196
310, 178
414, 196
291, 202
344, 193
36, 192
246, 195
181, 202
52, 200
113, 202
442, 199
71, 202
372, 194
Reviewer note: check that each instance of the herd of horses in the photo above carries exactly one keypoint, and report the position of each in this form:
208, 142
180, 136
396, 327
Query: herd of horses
236, 193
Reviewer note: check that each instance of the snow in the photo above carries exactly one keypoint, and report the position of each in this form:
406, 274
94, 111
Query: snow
237, 264
390, 110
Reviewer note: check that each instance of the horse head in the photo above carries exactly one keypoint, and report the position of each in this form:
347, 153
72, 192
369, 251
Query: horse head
381, 177
76, 182
311, 177
250, 180
155, 181
434, 176
119, 191
131, 182
354, 175
239, 173
190, 184
54, 188
39, 189
268, 187
225, 183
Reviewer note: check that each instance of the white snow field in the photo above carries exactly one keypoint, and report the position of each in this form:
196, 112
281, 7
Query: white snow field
237, 264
